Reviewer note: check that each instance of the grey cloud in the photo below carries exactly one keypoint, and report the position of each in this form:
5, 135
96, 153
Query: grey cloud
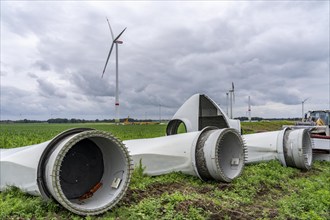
32, 75
91, 84
23, 18
19, 103
3, 73
271, 50
42, 65
48, 89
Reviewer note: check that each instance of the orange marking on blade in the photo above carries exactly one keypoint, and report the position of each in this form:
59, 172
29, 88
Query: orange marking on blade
96, 187
91, 192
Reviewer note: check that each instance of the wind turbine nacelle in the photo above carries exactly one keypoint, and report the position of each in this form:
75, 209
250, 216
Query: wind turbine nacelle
198, 112
210, 154
86, 171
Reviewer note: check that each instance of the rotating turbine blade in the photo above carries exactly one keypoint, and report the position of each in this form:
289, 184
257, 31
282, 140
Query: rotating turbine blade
106, 63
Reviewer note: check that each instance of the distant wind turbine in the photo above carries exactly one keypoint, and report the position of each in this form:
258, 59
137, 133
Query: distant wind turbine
232, 99
249, 109
115, 41
227, 102
302, 108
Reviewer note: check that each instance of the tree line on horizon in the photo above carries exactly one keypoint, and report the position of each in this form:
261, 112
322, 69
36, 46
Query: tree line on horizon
74, 120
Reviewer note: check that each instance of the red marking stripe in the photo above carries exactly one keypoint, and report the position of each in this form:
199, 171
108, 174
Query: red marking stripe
320, 136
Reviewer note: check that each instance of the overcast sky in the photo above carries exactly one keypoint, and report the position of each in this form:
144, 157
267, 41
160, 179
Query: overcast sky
53, 54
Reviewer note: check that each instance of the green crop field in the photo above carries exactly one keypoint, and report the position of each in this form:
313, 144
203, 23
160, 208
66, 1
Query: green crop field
263, 191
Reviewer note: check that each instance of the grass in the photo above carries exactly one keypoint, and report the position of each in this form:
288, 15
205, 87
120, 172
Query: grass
17, 135
263, 191
262, 126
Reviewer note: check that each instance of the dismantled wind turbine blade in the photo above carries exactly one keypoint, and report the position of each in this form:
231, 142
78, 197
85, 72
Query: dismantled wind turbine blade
113, 38
293, 148
210, 154
106, 63
119, 35
86, 171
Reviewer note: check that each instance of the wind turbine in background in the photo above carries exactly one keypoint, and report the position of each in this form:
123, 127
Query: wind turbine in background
232, 99
227, 102
249, 109
302, 109
115, 41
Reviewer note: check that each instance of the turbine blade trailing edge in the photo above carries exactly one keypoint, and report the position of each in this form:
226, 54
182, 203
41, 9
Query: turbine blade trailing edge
106, 63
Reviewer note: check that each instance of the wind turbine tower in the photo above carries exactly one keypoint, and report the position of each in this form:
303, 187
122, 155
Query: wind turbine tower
302, 108
115, 41
160, 113
249, 109
227, 102
232, 99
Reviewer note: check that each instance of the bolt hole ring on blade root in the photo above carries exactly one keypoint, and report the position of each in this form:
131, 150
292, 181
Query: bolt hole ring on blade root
298, 149
223, 154
89, 172
230, 154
